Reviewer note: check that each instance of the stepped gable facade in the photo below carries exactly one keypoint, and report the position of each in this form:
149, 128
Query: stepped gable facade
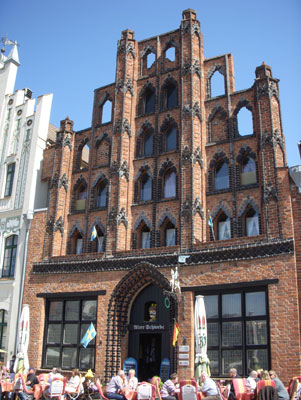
143, 182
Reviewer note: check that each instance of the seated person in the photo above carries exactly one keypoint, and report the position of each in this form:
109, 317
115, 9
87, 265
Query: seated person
168, 389
54, 374
251, 381
4, 374
116, 386
282, 392
233, 375
30, 381
209, 388
133, 381
74, 381
265, 380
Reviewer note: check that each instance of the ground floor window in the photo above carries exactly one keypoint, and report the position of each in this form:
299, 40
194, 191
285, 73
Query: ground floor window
66, 322
3, 331
237, 330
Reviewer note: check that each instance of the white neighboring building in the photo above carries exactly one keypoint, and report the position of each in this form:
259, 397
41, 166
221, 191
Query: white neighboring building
24, 126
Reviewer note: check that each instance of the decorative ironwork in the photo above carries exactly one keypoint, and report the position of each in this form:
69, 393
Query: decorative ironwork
197, 157
112, 216
59, 225
49, 226
269, 192
63, 181
126, 49
192, 68
186, 210
124, 170
197, 208
124, 87
121, 217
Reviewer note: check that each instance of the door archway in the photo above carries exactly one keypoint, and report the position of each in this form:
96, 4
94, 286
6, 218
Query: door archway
122, 297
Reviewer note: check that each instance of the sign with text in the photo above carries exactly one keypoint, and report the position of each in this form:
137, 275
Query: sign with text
184, 356
147, 327
184, 363
164, 369
184, 349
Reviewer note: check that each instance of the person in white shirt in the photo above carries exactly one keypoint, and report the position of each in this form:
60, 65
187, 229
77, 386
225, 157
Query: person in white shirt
251, 380
133, 381
74, 381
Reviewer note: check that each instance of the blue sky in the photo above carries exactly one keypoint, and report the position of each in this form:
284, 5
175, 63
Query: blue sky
68, 47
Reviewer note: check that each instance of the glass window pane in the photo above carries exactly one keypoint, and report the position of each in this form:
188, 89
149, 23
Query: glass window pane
171, 94
252, 225
232, 333
231, 304
255, 304
214, 361
86, 358
100, 244
54, 333
148, 145
171, 139
101, 196
221, 180
70, 334
83, 330
52, 357
69, 358
72, 310
56, 311
257, 359
211, 306
224, 230
145, 240
89, 310
212, 334
79, 246
150, 102
231, 359
170, 185
256, 332
170, 237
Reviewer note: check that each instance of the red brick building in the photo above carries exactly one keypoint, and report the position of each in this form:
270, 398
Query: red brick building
171, 154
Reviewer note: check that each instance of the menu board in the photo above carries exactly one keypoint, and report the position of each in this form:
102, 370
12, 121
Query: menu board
164, 369
130, 363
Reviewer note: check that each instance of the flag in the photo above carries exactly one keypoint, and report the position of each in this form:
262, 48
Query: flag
93, 234
89, 335
182, 259
210, 223
176, 331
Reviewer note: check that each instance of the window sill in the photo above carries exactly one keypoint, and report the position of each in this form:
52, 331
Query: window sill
102, 208
77, 212
7, 278
214, 192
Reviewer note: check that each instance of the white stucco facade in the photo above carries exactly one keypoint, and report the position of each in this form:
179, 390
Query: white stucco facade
24, 124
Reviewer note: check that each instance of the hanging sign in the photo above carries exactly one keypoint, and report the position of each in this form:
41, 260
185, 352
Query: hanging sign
184, 363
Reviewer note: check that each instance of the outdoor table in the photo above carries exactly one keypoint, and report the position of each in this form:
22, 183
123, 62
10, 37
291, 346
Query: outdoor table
129, 394
39, 389
7, 386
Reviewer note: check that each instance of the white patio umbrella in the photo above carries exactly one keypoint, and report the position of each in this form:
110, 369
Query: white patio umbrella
200, 333
22, 363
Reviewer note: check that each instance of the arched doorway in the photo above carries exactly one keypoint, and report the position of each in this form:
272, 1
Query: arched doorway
149, 331
144, 278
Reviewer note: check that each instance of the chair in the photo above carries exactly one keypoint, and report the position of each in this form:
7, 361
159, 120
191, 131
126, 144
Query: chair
240, 387
146, 391
294, 389
57, 387
74, 394
268, 392
262, 383
223, 395
29, 393
99, 387
156, 381
188, 390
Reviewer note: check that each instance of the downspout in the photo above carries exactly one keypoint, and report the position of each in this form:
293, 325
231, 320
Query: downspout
27, 219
